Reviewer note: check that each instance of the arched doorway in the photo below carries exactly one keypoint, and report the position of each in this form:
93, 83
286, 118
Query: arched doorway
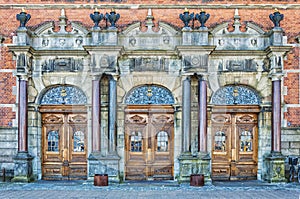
234, 131
64, 133
149, 133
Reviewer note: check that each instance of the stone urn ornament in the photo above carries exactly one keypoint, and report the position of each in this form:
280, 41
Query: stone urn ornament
186, 17
113, 17
202, 18
23, 17
96, 17
276, 17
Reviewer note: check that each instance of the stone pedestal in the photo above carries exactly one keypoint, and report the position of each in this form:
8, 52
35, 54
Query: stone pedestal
23, 171
194, 165
187, 36
202, 36
105, 165
277, 36
274, 164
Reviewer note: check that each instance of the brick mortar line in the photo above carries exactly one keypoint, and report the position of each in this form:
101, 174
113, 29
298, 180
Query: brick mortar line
153, 6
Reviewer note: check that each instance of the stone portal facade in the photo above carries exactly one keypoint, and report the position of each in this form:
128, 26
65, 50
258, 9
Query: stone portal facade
105, 74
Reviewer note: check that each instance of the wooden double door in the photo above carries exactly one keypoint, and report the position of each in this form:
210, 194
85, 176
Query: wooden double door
64, 143
149, 135
234, 144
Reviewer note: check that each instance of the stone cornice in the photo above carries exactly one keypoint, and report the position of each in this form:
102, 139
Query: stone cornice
194, 49
105, 49
152, 6
20, 49
238, 53
150, 53
277, 49
59, 52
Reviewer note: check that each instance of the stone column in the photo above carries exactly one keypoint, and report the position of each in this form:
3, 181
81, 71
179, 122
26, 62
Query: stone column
202, 116
203, 159
186, 160
96, 127
275, 160
276, 116
186, 116
96, 114
112, 116
23, 161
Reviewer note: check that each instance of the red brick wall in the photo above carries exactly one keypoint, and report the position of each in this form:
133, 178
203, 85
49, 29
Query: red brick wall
256, 11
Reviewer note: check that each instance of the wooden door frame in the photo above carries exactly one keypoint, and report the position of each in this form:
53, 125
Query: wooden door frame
235, 109
62, 109
149, 109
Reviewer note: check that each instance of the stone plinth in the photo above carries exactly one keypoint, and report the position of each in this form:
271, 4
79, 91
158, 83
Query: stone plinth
105, 165
23, 171
189, 165
274, 164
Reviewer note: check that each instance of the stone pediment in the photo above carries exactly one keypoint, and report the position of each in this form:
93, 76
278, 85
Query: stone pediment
45, 38
47, 29
253, 38
251, 29
133, 38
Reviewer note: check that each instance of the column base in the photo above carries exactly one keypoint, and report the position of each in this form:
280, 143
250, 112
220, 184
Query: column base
109, 165
23, 171
189, 164
274, 164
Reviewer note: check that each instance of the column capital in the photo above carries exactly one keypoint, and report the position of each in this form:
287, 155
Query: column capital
96, 76
24, 77
202, 76
276, 75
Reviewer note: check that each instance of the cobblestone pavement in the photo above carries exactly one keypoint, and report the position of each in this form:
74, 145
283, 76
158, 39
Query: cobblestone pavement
155, 190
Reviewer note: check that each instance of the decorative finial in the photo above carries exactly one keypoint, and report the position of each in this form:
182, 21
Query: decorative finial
186, 18
237, 23
62, 12
276, 17
112, 18
23, 10
113, 10
236, 12
202, 10
96, 17
23, 18
149, 20
202, 18
149, 12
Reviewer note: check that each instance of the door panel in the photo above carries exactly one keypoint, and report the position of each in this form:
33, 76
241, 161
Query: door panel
149, 144
64, 146
234, 146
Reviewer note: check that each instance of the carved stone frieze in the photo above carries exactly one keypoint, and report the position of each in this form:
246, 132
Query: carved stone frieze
153, 63
68, 64
104, 63
197, 62
149, 64
246, 65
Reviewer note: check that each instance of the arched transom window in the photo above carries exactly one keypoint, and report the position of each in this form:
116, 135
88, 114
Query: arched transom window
64, 95
235, 94
149, 94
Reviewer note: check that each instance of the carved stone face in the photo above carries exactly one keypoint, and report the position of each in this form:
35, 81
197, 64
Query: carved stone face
221, 42
253, 42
